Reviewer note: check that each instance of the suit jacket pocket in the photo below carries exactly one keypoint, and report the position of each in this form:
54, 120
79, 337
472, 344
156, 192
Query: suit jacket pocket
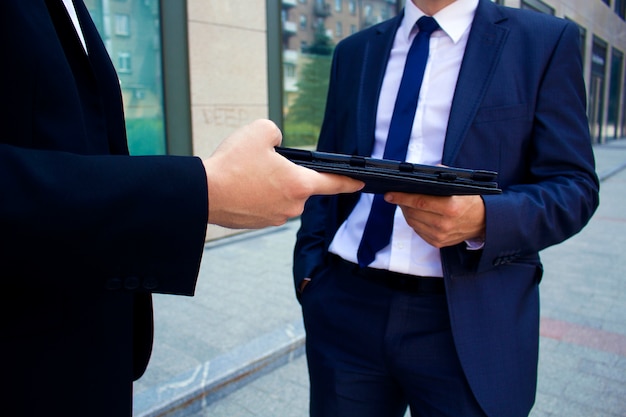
502, 113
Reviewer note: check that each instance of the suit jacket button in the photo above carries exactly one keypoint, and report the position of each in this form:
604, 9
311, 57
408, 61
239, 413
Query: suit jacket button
114, 284
131, 283
150, 283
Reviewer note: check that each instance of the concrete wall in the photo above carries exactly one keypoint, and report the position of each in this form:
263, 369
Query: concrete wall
228, 71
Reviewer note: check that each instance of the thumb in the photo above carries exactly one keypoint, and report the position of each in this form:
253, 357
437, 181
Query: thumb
328, 184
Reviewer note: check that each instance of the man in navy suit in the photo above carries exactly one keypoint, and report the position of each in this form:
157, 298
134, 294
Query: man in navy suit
445, 319
87, 233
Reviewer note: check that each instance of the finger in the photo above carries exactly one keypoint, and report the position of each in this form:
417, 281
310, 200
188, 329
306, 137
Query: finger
327, 184
401, 199
416, 201
418, 220
267, 131
437, 205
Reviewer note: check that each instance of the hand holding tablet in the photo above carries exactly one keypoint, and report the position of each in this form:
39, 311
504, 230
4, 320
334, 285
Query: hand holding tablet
381, 176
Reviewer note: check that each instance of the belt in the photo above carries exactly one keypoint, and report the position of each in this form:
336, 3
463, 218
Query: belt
394, 280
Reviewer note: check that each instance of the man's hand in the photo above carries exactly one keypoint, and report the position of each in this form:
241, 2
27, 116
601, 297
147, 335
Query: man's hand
442, 221
252, 186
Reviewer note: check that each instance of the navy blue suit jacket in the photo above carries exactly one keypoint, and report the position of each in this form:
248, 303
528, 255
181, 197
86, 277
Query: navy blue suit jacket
519, 109
87, 233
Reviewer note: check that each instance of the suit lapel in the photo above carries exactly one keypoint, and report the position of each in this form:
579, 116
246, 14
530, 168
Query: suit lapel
483, 50
97, 51
70, 41
375, 57
96, 82
107, 79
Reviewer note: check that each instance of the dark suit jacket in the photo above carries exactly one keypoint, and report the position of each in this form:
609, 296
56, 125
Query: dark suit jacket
85, 237
519, 109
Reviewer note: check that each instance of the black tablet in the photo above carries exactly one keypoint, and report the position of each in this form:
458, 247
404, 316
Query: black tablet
381, 175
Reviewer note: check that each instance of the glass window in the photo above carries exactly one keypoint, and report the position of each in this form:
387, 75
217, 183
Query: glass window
124, 62
131, 32
122, 25
622, 132
538, 6
290, 70
305, 78
596, 88
615, 88
620, 8
583, 39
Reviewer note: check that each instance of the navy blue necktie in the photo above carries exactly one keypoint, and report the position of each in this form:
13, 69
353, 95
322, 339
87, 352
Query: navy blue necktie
377, 233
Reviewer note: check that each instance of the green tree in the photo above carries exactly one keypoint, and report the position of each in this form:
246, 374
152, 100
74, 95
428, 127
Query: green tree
305, 115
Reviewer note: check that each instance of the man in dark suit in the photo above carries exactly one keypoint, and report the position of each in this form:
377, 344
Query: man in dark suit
87, 232
445, 317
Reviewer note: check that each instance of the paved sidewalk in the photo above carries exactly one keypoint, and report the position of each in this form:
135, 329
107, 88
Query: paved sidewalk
236, 348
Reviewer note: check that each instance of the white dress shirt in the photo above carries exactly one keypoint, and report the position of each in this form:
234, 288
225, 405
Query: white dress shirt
72, 12
408, 253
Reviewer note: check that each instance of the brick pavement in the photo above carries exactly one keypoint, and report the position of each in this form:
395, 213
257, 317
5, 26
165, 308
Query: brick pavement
244, 310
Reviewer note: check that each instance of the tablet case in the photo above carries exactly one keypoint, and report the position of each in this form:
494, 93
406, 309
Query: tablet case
381, 175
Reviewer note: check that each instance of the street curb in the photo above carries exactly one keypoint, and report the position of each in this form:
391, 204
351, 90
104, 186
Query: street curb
191, 391
602, 176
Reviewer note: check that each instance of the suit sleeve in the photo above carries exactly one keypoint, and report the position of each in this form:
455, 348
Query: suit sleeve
558, 192
71, 215
94, 222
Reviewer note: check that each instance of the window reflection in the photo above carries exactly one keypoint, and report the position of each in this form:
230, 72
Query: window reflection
130, 31
307, 55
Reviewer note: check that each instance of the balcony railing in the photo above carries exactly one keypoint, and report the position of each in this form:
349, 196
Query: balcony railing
322, 9
290, 56
290, 28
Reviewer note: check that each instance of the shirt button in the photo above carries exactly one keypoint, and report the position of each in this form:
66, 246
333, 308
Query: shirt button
150, 283
131, 283
114, 284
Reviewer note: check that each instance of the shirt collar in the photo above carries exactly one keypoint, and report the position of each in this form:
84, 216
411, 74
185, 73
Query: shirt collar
453, 19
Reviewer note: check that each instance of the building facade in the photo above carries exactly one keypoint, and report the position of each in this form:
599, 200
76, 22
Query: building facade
603, 44
192, 71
